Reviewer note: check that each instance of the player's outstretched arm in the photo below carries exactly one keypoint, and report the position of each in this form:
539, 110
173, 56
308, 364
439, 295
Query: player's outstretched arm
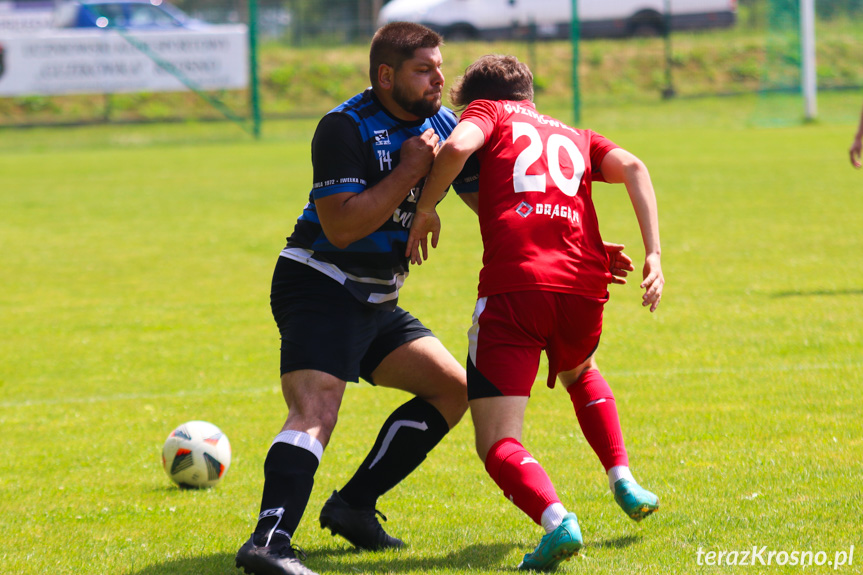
620, 166
464, 140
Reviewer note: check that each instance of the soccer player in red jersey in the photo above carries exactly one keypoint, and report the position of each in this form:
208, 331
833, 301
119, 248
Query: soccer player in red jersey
543, 284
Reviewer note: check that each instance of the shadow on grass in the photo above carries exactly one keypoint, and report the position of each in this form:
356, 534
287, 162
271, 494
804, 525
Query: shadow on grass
818, 293
219, 563
328, 560
617, 543
482, 556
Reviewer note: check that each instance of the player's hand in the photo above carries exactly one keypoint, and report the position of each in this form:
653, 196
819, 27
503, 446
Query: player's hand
619, 263
855, 151
424, 223
419, 152
653, 282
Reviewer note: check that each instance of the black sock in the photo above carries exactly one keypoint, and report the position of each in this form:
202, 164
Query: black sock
409, 434
289, 474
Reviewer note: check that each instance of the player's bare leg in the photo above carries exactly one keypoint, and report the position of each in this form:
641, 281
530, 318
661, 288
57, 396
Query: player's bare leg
426, 369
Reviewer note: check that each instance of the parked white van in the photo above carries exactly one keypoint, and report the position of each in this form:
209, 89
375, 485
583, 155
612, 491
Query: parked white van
494, 19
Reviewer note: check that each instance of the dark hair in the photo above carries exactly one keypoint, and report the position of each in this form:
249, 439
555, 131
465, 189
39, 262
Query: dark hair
396, 42
493, 77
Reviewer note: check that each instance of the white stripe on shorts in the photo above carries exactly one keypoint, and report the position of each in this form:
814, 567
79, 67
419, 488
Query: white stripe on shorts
473, 332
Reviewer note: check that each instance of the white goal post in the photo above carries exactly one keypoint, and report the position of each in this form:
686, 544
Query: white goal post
808, 80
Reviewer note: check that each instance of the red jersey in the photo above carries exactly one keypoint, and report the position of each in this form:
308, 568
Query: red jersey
536, 214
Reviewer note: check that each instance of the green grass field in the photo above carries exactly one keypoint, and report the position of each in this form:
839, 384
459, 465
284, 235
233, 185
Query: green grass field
135, 271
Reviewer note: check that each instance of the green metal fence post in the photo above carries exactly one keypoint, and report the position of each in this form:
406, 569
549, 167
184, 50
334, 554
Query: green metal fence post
254, 96
668, 91
575, 33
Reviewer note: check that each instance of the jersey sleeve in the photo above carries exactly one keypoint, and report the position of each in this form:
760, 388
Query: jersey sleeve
338, 162
599, 147
482, 114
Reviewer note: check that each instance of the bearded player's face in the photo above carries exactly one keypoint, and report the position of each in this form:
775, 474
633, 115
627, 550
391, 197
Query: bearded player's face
418, 85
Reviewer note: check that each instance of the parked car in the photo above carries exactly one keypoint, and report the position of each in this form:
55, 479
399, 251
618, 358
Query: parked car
494, 19
125, 14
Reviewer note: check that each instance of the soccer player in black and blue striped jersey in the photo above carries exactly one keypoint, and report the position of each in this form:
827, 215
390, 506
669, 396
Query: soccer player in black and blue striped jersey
335, 300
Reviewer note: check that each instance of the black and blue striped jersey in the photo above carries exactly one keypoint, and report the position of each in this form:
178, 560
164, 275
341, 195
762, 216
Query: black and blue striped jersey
355, 146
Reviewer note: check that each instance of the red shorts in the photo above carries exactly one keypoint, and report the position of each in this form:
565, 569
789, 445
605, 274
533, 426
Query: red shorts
510, 331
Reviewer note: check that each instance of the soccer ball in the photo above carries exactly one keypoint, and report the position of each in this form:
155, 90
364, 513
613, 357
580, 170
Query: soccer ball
196, 454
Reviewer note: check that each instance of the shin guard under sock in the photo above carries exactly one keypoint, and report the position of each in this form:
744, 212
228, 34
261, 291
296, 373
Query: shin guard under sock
521, 477
597, 415
407, 436
289, 475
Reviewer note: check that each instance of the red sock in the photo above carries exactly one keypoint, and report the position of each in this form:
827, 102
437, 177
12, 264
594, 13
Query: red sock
597, 414
521, 477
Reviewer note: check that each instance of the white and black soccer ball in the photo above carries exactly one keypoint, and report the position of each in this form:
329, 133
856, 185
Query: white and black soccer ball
196, 454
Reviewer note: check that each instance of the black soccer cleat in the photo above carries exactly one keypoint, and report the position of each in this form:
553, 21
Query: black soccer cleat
359, 525
277, 559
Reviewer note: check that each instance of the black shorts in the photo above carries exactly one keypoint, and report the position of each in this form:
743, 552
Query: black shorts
324, 328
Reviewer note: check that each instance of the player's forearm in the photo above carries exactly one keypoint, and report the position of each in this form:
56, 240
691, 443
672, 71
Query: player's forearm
643, 198
464, 140
352, 217
648, 222
449, 162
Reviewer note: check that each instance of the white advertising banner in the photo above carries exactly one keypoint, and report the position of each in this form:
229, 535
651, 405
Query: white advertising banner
18, 21
52, 62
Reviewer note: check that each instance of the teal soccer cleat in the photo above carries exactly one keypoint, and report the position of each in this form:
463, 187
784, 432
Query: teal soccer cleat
557, 546
636, 502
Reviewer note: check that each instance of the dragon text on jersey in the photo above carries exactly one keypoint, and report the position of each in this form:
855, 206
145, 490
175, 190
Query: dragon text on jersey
550, 210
